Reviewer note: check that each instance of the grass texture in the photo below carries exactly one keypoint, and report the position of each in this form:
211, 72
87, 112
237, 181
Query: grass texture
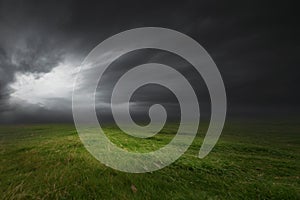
252, 160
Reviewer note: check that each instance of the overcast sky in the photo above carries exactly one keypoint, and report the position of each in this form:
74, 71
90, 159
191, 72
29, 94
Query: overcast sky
255, 46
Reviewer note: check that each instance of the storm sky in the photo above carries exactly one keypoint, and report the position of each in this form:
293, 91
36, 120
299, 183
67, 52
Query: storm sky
42, 43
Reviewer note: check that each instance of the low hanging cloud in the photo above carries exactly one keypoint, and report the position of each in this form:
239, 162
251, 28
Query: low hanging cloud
255, 46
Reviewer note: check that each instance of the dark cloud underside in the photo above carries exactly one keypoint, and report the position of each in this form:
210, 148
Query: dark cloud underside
255, 45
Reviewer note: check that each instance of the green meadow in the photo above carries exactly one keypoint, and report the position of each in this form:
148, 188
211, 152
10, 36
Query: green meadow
252, 160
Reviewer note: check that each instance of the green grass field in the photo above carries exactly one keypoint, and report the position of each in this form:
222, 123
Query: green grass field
252, 160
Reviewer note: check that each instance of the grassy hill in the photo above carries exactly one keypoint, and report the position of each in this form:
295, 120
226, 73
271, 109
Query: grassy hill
252, 160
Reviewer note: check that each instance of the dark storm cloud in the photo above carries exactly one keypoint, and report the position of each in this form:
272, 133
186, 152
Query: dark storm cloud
26, 45
254, 44
32, 42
